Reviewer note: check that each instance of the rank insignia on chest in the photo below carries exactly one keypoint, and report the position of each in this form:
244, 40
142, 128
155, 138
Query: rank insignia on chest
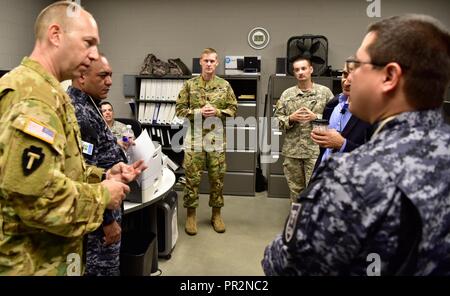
32, 158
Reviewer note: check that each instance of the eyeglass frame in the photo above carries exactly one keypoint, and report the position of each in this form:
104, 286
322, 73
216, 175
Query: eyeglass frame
358, 63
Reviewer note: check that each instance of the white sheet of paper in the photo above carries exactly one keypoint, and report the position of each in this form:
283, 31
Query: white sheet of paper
143, 148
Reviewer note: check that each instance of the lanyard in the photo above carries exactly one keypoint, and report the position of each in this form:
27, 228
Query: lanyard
382, 124
123, 153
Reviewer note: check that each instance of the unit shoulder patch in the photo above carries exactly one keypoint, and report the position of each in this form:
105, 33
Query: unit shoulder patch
32, 158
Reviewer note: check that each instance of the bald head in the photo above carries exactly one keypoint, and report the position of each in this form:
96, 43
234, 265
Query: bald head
66, 40
63, 13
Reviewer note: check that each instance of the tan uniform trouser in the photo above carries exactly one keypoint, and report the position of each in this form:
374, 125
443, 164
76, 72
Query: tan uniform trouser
297, 172
193, 164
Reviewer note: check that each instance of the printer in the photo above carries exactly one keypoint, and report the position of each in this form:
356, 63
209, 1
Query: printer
144, 188
242, 65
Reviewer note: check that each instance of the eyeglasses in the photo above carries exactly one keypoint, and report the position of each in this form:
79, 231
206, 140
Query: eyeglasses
356, 64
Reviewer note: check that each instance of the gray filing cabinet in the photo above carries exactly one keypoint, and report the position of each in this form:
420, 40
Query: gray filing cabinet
242, 136
240, 155
277, 184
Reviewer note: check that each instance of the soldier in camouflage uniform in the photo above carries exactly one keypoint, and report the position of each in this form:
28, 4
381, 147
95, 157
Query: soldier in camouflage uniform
204, 100
46, 204
100, 148
297, 106
117, 128
352, 219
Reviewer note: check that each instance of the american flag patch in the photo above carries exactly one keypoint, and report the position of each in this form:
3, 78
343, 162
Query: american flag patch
39, 131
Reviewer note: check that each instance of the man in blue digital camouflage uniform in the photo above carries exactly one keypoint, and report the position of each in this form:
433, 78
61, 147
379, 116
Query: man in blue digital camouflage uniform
100, 148
352, 214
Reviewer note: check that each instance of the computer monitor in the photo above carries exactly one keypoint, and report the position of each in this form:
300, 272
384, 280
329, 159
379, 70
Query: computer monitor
251, 65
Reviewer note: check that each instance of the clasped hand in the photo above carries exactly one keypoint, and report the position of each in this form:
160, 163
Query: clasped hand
208, 111
302, 115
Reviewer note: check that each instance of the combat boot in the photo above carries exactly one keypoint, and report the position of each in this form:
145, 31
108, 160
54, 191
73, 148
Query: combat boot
191, 222
216, 221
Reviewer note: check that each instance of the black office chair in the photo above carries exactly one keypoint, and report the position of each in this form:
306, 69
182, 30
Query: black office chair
135, 125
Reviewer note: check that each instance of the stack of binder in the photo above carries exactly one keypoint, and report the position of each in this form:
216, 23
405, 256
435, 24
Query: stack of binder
157, 99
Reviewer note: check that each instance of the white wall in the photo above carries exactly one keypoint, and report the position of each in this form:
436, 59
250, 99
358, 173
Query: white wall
179, 28
17, 29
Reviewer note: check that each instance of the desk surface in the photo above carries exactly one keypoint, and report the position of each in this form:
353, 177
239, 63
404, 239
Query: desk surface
167, 182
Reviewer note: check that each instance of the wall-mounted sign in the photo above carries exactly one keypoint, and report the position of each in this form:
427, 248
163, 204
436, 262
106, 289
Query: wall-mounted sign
258, 38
